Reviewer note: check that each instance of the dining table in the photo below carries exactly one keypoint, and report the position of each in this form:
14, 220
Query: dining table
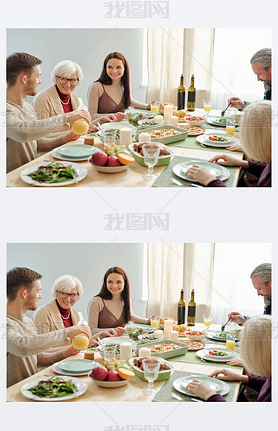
187, 150
186, 365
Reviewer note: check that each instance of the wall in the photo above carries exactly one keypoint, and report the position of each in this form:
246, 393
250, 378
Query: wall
88, 262
87, 47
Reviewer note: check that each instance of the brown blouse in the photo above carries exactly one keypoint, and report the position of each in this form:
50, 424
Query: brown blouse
106, 319
107, 104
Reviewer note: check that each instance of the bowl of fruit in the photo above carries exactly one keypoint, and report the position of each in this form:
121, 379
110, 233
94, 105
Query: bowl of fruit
112, 374
194, 121
114, 158
195, 335
164, 157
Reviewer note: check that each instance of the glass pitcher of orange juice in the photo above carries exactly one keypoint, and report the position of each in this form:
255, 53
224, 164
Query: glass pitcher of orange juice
80, 341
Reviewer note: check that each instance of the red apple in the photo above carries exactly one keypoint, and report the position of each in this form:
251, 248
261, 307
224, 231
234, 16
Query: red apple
113, 161
99, 373
99, 158
113, 376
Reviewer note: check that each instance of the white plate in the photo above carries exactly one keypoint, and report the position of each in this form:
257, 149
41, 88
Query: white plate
204, 355
55, 153
213, 336
203, 139
117, 126
148, 122
213, 120
55, 367
229, 138
218, 171
81, 389
80, 170
218, 386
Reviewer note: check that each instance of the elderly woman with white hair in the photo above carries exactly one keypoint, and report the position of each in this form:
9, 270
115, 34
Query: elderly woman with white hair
60, 312
255, 137
255, 351
60, 98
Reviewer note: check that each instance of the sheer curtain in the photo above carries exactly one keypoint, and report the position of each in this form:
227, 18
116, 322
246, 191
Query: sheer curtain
175, 51
175, 266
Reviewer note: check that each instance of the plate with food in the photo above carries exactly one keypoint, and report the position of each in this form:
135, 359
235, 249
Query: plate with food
165, 154
137, 115
111, 375
117, 127
148, 122
112, 160
216, 170
221, 335
219, 140
194, 120
192, 130
164, 373
216, 385
54, 388
145, 338
218, 120
193, 346
53, 174
217, 355
195, 335
117, 341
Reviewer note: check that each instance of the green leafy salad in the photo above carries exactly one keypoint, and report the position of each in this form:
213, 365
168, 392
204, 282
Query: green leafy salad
54, 172
55, 387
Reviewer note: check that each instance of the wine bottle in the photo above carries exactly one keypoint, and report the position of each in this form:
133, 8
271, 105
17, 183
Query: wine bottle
181, 309
191, 312
181, 94
191, 96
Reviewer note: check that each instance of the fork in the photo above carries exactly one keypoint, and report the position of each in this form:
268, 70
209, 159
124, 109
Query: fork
223, 326
224, 110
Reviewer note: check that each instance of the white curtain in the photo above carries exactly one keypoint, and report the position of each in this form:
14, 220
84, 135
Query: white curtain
174, 266
175, 51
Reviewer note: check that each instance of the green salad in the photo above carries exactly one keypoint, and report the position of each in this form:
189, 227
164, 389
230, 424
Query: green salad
55, 387
54, 172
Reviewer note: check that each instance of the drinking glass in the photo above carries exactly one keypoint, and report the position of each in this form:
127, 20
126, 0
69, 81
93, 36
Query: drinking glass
207, 105
230, 126
151, 368
155, 321
207, 318
151, 154
230, 341
109, 137
109, 351
154, 106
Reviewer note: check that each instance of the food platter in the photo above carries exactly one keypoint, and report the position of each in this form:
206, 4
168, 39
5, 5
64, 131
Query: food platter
218, 171
81, 173
80, 385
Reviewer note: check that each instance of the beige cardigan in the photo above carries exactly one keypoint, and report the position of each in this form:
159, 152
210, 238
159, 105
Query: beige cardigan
47, 104
47, 318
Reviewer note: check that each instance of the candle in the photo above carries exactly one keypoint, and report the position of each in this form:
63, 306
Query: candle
159, 118
144, 351
174, 335
168, 327
159, 333
174, 120
145, 137
168, 112
125, 351
125, 136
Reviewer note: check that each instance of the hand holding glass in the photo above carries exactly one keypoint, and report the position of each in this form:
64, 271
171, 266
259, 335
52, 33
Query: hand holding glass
151, 154
151, 368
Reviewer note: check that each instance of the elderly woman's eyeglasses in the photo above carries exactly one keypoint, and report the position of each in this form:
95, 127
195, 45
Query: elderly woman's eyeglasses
64, 295
72, 81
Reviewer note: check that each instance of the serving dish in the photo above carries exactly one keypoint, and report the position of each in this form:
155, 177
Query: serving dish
178, 349
162, 160
179, 134
162, 375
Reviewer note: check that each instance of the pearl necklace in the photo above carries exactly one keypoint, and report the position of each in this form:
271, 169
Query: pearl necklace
65, 103
65, 317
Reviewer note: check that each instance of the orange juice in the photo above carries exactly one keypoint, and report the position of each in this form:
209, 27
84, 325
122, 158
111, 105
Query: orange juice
230, 344
155, 109
230, 130
80, 342
155, 323
207, 108
80, 127
207, 322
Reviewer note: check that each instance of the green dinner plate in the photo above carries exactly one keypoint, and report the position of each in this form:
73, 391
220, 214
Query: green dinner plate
77, 365
77, 150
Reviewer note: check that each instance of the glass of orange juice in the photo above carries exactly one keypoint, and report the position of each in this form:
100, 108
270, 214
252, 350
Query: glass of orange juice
230, 341
155, 321
80, 127
207, 105
154, 106
230, 126
207, 318
80, 342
